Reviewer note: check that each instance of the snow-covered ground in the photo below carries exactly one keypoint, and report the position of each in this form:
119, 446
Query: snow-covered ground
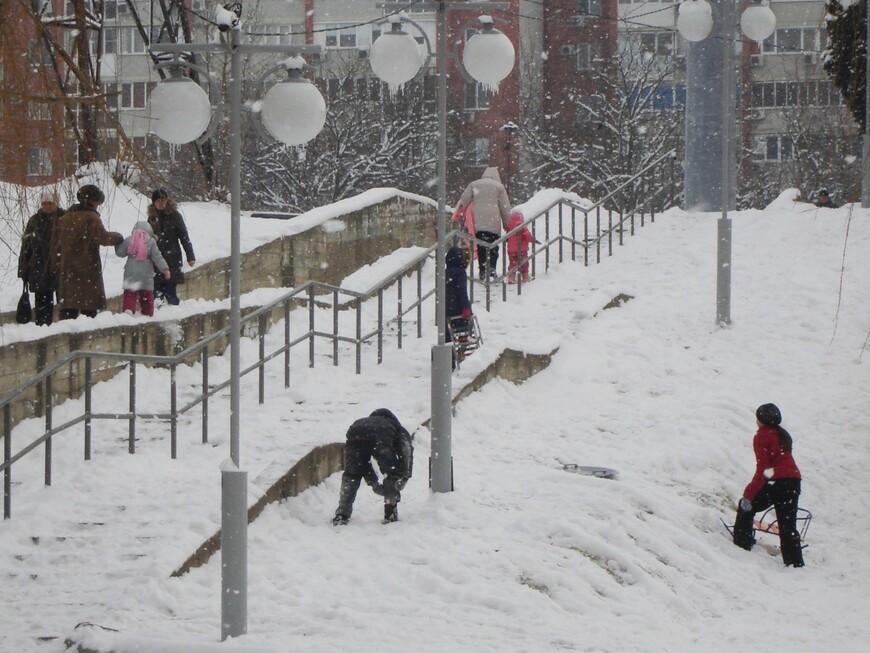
522, 556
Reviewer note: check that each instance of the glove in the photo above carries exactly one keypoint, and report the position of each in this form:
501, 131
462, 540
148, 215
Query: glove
745, 505
378, 489
466, 313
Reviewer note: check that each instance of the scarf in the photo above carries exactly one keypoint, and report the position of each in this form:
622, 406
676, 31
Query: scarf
138, 245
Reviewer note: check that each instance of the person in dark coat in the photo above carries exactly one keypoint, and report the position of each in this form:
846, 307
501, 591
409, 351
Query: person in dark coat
780, 489
380, 436
34, 266
171, 235
824, 201
457, 304
75, 247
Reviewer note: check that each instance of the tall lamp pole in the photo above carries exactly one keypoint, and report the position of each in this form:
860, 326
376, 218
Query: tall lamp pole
293, 112
710, 108
488, 58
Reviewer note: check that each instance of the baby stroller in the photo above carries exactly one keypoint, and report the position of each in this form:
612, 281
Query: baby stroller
464, 336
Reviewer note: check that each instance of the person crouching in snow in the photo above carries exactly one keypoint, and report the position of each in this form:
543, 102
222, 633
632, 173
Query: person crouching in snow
772, 445
518, 248
380, 436
143, 257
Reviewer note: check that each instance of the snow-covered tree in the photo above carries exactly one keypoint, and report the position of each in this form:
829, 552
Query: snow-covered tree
370, 139
633, 116
846, 55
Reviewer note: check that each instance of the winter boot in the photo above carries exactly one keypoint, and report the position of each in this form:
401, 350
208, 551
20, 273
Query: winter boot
340, 520
526, 278
391, 513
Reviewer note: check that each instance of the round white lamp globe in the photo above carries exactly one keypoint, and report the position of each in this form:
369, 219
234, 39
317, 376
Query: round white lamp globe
179, 110
293, 111
695, 20
489, 56
758, 22
395, 57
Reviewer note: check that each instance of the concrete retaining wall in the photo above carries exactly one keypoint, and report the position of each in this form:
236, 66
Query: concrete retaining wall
366, 236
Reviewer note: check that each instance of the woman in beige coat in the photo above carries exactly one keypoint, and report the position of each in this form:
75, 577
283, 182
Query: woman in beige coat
492, 210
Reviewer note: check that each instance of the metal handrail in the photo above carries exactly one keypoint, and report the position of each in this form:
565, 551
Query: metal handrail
305, 295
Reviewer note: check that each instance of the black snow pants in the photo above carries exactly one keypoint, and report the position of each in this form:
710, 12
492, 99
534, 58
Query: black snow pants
783, 495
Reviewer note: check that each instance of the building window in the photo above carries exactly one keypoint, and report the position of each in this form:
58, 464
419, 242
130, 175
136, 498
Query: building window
658, 43
131, 41
476, 151
38, 53
345, 35
38, 111
133, 95
278, 34
812, 93
589, 7
585, 56
110, 92
39, 162
794, 40
476, 96
773, 148
110, 40
665, 97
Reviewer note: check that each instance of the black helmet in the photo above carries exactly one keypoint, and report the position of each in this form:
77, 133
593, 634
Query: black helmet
769, 415
90, 194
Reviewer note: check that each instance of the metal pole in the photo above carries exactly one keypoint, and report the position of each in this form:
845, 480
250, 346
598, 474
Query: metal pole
723, 248
704, 89
234, 529
865, 181
441, 464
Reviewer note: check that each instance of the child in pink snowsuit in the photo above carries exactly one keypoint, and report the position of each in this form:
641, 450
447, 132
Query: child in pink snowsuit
518, 248
143, 257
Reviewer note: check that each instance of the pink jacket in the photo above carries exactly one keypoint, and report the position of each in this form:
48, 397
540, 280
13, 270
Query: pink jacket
520, 241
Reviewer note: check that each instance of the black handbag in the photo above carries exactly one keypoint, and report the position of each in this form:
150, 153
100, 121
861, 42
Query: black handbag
24, 313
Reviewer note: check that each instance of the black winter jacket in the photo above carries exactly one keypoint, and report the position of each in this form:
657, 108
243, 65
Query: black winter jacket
456, 283
34, 265
169, 231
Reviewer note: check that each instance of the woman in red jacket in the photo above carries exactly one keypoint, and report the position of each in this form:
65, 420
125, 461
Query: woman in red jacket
777, 483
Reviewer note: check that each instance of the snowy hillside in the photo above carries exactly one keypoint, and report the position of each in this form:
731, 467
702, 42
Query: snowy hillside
522, 556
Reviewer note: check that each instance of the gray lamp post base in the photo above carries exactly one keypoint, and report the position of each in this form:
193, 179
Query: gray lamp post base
441, 462
234, 553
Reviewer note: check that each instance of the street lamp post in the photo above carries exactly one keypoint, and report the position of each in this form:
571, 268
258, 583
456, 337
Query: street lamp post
293, 115
710, 105
488, 58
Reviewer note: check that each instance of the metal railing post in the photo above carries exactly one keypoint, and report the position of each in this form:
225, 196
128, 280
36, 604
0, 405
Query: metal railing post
381, 327
261, 376
87, 408
48, 429
205, 394
7, 460
358, 304
598, 235
561, 243
399, 308
173, 413
335, 328
420, 300
311, 326
131, 406
609, 234
586, 238
287, 344
573, 233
